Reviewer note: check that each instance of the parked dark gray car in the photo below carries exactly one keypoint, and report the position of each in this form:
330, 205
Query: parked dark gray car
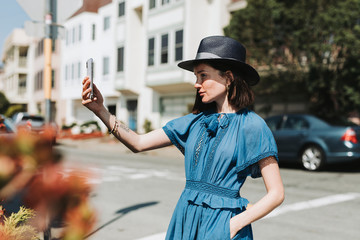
34, 124
314, 142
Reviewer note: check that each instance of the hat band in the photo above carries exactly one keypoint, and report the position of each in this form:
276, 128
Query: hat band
205, 55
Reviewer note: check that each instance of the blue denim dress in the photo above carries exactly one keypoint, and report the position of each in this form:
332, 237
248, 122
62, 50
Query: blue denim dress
220, 151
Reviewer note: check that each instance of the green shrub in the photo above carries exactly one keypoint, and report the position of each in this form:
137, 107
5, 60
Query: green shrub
14, 109
65, 127
89, 123
147, 125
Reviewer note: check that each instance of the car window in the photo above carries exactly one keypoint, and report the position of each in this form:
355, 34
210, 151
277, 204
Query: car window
274, 123
33, 118
296, 123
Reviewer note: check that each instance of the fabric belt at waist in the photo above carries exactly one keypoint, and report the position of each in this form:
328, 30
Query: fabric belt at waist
212, 189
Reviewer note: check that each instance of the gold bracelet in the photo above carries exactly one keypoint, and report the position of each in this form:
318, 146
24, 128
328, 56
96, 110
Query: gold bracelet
115, 126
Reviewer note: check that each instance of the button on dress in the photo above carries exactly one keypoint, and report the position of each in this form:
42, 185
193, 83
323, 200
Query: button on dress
221, 150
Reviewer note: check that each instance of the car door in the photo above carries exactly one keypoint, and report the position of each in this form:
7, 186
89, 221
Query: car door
291, 135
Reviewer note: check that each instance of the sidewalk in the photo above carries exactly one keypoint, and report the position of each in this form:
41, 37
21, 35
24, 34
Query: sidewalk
110, 144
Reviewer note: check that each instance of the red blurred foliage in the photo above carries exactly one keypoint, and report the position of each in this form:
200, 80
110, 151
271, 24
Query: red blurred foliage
28, 162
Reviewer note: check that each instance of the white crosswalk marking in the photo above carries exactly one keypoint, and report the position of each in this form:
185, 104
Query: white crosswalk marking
119, 173
319, 202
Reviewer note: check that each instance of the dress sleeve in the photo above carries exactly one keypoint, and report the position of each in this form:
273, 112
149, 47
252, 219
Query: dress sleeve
257, 143
178, 130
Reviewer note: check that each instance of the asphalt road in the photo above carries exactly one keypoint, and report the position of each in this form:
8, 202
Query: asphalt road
135, 194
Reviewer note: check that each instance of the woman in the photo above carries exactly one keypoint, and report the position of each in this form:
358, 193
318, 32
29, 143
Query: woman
223, 143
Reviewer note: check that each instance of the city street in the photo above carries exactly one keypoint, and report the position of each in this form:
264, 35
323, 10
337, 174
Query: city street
135, 194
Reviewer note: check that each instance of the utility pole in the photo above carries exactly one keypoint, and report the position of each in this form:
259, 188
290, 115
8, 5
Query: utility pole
47, 57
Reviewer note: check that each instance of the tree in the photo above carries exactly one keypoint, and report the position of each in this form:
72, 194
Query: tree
4, 103
314, 42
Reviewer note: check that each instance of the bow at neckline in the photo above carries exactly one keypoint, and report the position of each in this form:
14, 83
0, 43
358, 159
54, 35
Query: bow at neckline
213, 121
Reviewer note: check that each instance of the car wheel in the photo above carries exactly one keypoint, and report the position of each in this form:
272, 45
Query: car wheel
312, 158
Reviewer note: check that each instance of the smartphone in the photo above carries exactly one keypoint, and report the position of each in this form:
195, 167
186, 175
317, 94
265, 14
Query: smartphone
90, 73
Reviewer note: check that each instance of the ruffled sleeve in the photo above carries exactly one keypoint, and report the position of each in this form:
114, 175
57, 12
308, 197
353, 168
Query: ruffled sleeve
178, 129
259, 143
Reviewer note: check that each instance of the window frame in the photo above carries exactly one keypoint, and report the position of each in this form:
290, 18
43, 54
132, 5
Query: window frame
164, 50
106, 66
152, 4
80, 33
106, 23
179, 46
120, 59
151, 52
52, 78
121, 9
93, 32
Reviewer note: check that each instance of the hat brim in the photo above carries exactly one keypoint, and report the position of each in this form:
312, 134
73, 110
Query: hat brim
249, 74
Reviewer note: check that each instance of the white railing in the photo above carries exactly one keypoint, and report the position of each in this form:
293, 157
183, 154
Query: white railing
22, 62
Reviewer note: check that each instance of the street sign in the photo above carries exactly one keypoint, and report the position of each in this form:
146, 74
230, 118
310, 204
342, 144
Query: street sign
34, 29
37, 29
37, 11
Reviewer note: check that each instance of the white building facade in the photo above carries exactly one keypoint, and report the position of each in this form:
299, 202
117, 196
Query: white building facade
23, 78
88, 35
17, 67
136, 46
36, 60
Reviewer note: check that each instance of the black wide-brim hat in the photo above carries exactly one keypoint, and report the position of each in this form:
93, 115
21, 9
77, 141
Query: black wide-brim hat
226, 50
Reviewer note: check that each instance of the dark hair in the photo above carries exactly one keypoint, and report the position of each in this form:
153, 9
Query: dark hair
240, 94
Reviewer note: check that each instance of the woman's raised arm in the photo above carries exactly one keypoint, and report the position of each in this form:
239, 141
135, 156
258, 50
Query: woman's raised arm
132, 140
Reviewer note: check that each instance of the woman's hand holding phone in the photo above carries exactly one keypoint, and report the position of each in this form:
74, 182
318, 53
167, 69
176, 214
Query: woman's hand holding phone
90, 74
91, 96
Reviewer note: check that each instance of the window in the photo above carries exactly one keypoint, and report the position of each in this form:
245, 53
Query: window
274, 123
112, 109
120, 59
106, 23
79, 70
67, 37
52, 78
72, 71
36, 81
152, 4
93, 32
106, 65
66, 72
39, 80
164, 48
179, 45
53, 45
22, 84
80, 32
121, 9
176, 106
40, 48
151, 52
296, 123
131, 106
73, 35
163, 2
